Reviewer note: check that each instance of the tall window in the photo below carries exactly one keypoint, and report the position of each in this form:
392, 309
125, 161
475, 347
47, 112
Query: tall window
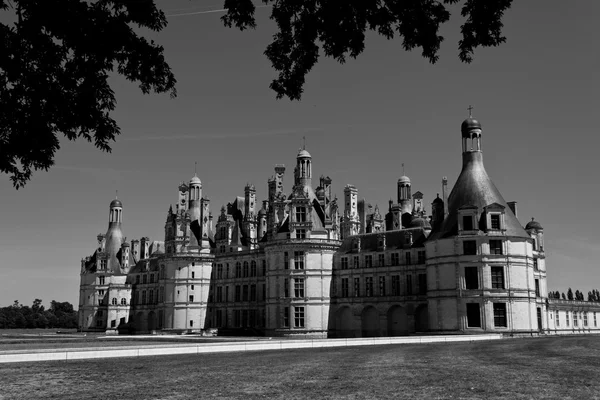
396, 285
298, 260
285, 320
537, 288
500, 315
407, 257
103, 264
471, 278
535, 264
421, 257
495, 246
356, 265
137, 279
264, 267
151, 297
356, 287
567, 317
238, 293
595, 321
286, 260
252, 292
145, 279
344, 261
585, 319
368, 261
495, 218
151, 278
382, 285
299, 317
101, 280
143, 297
245, 293
253, 268
469, 247
395, 258
468, 223
300, 233
245, 269
381, 261
123, 302
369, 286
219, 294
238, 269
557, 318
114, 301
473, 315
226, 294
298, 287
408, 284
300, 214
422, 283
344, 287
497, 277
286, 287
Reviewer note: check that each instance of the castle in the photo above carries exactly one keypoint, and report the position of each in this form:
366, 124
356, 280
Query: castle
299, 266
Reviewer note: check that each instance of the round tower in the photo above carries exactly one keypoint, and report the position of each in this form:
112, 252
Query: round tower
194, 196
114, 235
304, 167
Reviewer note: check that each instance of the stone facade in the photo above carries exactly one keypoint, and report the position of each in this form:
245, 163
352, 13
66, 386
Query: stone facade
299, 267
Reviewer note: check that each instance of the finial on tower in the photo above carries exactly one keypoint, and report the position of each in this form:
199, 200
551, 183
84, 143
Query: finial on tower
403, 169
303, 142
195, 168
470, 108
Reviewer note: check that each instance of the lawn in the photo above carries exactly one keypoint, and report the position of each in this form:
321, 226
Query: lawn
545, 368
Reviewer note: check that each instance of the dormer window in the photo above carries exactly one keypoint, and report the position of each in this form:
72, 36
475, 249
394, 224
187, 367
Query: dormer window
300, 214
467, 223
467, 219
495, 217
495, 221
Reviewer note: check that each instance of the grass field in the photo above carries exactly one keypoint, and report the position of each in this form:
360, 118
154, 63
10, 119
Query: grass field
545, 368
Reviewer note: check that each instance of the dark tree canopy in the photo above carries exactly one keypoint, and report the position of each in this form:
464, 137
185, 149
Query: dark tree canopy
338, 27
55, 60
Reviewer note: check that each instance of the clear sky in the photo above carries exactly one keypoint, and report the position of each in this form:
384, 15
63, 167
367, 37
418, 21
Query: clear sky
535, 96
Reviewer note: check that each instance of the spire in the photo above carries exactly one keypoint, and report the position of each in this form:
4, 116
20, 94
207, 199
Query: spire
470, 108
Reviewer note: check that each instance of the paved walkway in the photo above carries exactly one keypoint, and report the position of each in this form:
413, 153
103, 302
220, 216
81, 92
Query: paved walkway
199, 348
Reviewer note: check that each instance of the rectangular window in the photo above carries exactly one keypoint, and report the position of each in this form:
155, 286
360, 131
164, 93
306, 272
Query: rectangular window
226, 294
103, 264
395, 258
219, 294
356, 287
535, 264
537, 288
396, 285
300, 214
369, 286
264, 267
237, 318
356, 262
264, 291
101, 280
595, 322
238, 270
408, 284
286, 261
299, 317
252, 292
500, 315
556, 318
495, 246
497, 277
471, 278
422, 283
298, 287
382, 285
495, 218
143, 297
253, 268
191, 298
368, 261
407, 257
300, 233
585, 319
151, 278
381, 261
467, 223
137, 279
193, 274
344, 262
299, 260
421, 257
245, 269
286, 317
244, 318
344, 287
245, 293
238, 293
145, 279
286, 287
150, 297
567, 318
473, 315
469, 247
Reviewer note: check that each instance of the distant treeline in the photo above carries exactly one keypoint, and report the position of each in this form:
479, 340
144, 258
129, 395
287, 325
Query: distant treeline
18, 316
594, 295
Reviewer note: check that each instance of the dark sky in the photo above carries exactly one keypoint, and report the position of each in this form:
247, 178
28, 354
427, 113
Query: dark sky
535, 96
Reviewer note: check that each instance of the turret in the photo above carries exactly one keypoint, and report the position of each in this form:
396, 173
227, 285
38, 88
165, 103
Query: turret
194, 196
303, 168
144, 248
114, 236
351, 223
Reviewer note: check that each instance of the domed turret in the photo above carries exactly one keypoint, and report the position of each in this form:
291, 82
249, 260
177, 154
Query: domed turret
533, 224
420, 223
116, 203
469, 125
303, 154
404, 179
195, 180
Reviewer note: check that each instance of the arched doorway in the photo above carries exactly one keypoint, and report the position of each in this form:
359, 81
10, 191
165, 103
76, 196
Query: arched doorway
343, 322
397, 321
370, 322
421, 318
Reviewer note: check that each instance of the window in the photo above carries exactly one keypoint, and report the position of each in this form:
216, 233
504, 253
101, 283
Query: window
535, 264
286, 287
471, 278
103, 264
238, 293
219, 294
113, 323
137, 279
407, 257
252, 292
264, 267
567, 318
226, 294
264, 291
300, 214
299, 317
100, 313
114, 301
298, 260
369, 286
191, 298
495, 218
193, 274
344, 287
245, 269
495, 246
191, 287
238, 269
382, 285
575, 320
286, 260
395, 259
101, 292
422, 283
123, 302
299, 287
143, 297
421, 257
145, 279
237, 318
381, 261
497, 277
368, 261
162, 272
537, 288
356, 287
396, 285
473, 315
227, 270
469, 247
356, 262
151, 297
595, 322
245, 293
151, 278
300, 233
556, 318
286, 317
253, 268
500, 315
467, 223
101, 280
585, 319
408, 284
344, 262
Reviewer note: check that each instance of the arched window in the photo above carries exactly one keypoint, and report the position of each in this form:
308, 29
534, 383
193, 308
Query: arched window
238, 269
253, 268
162, 272
114, 301
123, 302
245, 269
